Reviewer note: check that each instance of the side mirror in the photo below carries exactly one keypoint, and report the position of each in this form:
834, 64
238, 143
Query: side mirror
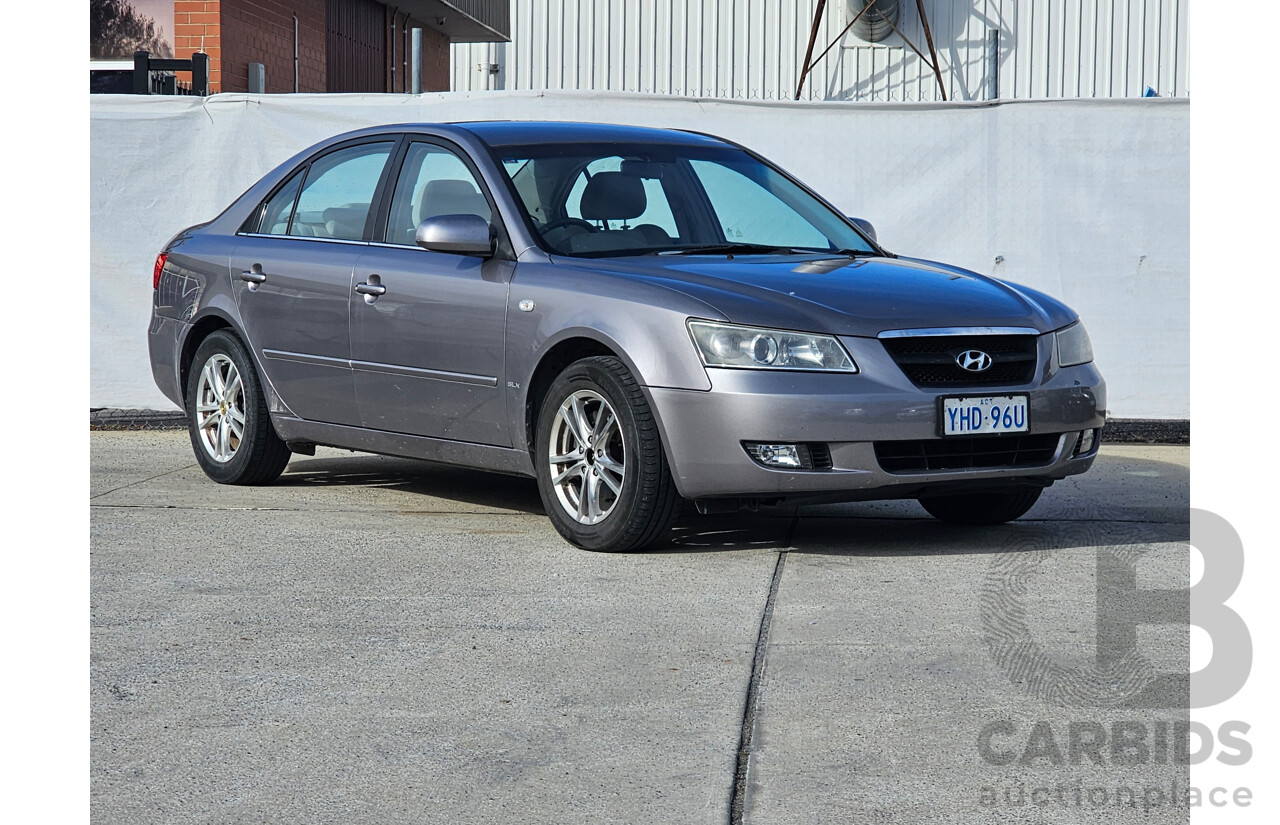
866, 227
459, 234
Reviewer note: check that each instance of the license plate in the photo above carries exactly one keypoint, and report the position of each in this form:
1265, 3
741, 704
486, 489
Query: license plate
984, 415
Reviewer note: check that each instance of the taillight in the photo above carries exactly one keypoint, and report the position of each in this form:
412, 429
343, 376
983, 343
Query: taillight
155, 275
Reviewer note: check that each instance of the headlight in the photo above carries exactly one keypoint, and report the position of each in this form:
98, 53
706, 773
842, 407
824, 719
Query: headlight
1073, 346
729, 345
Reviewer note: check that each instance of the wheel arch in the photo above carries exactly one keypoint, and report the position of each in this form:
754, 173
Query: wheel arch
201, 329
655, 502
573, 347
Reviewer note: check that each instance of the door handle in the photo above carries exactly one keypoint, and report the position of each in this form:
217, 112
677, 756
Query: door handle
371, 289
253, 277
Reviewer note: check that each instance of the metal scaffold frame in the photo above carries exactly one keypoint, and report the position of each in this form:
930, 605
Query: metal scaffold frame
808, 65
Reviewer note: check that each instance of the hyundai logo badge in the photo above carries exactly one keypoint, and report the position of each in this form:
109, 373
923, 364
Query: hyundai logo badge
974, 360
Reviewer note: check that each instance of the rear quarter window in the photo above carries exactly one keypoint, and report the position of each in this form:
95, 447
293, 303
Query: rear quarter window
276, 214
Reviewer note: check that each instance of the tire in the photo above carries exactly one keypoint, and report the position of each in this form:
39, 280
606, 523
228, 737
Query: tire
981, 508
622, 450
223, 395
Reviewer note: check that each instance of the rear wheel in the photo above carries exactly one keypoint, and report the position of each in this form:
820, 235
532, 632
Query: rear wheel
982, 508
227, 416
601, 469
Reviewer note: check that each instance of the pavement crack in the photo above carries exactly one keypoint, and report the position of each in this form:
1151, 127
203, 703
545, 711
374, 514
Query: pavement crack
142, 481
738, 796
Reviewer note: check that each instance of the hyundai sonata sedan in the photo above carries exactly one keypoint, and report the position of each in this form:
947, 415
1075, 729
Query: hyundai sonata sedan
637, 318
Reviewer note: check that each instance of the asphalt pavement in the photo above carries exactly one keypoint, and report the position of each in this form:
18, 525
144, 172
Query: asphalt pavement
379, 640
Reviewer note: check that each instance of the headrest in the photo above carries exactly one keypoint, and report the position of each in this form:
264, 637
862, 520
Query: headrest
451, 197
448, 189
613, 196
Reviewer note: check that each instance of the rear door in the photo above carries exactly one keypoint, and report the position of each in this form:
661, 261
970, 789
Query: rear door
293, 277
428, 353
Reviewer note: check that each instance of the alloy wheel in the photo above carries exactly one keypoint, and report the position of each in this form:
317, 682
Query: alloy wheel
220, 413
587, 457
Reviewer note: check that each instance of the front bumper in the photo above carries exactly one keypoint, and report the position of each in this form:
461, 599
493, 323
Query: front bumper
704, 431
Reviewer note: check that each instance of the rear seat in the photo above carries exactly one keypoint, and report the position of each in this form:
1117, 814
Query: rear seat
342, 222
345, 222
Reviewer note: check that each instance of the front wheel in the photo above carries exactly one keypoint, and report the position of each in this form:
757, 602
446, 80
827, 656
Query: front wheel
601, 469
981, 508
227, 416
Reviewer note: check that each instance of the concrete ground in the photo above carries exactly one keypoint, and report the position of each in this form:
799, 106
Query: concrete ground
376, 640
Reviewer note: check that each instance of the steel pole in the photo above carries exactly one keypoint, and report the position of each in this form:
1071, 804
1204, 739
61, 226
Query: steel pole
415, 58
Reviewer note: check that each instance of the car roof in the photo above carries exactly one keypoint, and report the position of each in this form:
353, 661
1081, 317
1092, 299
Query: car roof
516, 132
502, 133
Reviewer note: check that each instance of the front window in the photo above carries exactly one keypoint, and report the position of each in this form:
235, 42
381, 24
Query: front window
433, 182
601, 200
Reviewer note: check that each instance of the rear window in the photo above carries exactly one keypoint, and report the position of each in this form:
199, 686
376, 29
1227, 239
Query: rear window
338, 194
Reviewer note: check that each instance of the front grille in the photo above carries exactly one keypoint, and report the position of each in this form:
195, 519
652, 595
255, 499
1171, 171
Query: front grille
966, 453
930, 360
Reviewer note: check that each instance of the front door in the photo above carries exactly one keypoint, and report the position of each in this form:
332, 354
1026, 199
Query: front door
428, 352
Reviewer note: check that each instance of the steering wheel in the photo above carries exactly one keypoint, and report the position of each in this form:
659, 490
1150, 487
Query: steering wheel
547, 227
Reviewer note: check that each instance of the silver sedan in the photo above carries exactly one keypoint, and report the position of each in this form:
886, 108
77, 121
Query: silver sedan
640, 319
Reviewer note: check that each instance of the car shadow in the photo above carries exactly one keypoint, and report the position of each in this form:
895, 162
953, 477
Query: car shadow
1125, 500
424, 478
929, 537
872, 535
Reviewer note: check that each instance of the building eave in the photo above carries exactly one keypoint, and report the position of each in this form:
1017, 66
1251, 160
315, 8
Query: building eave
461, 21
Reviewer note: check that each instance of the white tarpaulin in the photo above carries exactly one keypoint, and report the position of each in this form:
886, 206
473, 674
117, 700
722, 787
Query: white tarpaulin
1087, 200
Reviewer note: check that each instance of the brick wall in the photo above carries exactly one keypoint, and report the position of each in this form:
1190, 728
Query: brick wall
196, 28
261, 31
435, 61
435, 55
235, 33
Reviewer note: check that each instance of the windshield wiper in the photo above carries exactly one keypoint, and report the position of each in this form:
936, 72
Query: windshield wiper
844, 253
728, 249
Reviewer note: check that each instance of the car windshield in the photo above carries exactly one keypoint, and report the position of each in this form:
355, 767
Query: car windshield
610, 199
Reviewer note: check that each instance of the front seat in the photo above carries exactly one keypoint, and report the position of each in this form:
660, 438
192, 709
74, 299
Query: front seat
445, 197
613, 196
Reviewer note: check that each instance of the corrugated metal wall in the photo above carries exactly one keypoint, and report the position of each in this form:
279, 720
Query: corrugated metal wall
754, 48
355, 46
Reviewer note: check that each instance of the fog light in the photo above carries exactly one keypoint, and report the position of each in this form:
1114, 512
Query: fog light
806, 455
776, 455
1086, 441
